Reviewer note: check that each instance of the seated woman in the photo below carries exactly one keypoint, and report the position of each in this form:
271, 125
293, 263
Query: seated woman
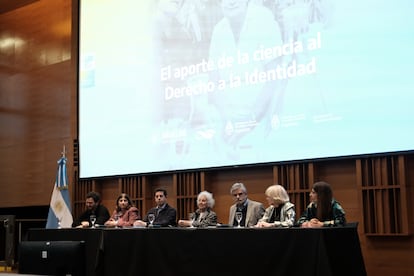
281, 212
324, 210
203, 216
124, 214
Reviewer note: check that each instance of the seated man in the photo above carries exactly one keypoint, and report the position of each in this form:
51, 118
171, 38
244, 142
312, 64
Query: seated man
93, 207
164, 214
251, 211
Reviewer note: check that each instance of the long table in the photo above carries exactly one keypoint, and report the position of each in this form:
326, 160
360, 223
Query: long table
216, 251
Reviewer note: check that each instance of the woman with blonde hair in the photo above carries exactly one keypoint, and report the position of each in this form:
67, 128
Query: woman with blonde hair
281, 212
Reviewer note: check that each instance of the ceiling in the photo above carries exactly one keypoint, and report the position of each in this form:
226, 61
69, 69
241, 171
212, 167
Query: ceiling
9, 5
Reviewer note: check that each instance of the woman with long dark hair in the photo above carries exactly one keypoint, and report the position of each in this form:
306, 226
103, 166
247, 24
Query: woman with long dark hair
324, 210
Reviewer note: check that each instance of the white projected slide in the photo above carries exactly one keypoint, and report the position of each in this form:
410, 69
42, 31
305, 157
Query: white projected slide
178, 85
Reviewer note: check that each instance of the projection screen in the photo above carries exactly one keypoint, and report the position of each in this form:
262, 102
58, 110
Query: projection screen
178, 85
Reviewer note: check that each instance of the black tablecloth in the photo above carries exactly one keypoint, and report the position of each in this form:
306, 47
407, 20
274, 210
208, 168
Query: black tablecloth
216, 251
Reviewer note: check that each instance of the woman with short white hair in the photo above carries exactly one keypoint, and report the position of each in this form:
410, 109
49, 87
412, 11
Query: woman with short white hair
203, 216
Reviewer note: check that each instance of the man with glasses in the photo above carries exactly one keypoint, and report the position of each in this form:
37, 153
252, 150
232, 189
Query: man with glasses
251, 210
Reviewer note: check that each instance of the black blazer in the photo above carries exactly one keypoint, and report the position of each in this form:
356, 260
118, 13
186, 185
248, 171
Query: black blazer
167, 216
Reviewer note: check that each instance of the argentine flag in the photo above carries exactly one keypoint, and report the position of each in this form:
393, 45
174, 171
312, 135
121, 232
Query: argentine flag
60, 215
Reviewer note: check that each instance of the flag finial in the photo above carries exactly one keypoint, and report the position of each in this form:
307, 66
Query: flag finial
64, 151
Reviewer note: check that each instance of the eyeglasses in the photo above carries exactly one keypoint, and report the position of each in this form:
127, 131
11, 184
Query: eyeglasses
238, 194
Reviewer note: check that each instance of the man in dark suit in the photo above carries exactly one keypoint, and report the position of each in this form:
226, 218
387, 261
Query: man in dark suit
165, 215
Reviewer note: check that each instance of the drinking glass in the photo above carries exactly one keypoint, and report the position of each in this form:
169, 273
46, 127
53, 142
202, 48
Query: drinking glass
239, 216
92, 218
116, 218
151, 218
291, 219
191, 217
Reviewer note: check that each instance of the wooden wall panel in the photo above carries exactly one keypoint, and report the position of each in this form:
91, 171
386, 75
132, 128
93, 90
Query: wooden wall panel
110, 192
188, 186
80, 189
410, 188
341, 175
36, 77
10, 5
